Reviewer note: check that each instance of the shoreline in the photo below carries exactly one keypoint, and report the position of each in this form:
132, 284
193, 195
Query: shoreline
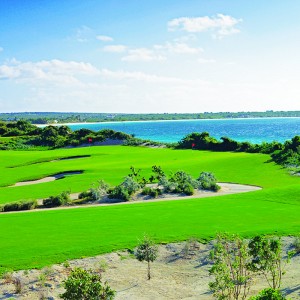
161, 120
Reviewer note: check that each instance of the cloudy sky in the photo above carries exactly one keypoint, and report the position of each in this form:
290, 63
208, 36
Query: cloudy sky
149, 56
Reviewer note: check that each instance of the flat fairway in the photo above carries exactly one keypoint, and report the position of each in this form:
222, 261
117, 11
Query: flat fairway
40, 238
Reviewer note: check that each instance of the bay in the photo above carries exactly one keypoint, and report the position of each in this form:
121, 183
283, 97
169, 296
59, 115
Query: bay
253, 130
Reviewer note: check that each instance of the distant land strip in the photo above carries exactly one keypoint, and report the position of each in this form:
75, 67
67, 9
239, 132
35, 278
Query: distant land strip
77, 117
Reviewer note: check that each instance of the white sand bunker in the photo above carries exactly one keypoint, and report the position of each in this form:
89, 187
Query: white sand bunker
47, 179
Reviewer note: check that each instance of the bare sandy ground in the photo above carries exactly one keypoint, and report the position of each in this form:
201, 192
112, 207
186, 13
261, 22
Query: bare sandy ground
45, 179
180, 272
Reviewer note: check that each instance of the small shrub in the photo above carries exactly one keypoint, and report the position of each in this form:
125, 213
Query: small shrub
7, 277
296, 244
269, 294
146, 191
18, 285
59, 200
207, 181
85, 194
22, 205
119, 192
82, 284
188, 189
155, 192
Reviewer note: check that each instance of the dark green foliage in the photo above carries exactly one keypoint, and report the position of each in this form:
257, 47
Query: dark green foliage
201, 141
136, 176
230, 268
287, 154
146, 251
207, 181
188, 189
158, 173
85, 285
22, 205
269, 294
58, 200
266, 259
119, 192
152, 192
124, 190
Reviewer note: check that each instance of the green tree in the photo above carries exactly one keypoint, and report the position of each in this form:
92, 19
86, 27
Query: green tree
230, 268
146, 251
266, 259
85, 285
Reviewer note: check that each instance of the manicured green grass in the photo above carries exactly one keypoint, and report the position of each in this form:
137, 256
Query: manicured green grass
113, 163
35, 239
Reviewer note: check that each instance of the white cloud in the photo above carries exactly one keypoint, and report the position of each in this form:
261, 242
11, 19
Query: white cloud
115, 48
58, 71
83, 34
104, 38
179, 48
221, 24
1, 49
142, 54
206, 61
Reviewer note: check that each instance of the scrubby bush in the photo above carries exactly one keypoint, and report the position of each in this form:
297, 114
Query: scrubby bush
296, 244
58, 200
85, 285
207, 181
22, 205
152, 192
269, 294
124, 190
119, 192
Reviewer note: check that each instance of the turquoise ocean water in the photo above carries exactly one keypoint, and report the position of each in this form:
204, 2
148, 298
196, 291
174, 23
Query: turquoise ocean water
252, 130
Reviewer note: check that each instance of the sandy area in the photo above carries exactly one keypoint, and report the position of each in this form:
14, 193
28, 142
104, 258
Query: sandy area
226, 189
180, 272
46, 179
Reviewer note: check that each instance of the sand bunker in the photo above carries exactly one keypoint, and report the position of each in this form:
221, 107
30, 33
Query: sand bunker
47, 179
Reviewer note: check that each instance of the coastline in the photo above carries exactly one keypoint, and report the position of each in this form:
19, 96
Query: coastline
161, 120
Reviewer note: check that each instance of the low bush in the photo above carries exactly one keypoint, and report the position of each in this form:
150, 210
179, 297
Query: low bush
58, 200
296, 244
82, 284
124, 190
16, 206
119, 192
207, 181
152, 192
269, 294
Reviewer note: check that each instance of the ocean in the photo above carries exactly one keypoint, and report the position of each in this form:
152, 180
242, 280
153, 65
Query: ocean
252, 130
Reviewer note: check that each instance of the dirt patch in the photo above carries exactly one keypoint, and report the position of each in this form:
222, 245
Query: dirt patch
178, 273
47, 179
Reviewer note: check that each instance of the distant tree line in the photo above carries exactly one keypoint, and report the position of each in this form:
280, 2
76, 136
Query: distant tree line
22, 135
71, 117
287, 153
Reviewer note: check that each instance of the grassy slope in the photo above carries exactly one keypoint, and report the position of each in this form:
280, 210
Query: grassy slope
36, 239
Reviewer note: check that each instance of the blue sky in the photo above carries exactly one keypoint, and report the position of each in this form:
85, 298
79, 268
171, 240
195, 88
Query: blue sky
149, 56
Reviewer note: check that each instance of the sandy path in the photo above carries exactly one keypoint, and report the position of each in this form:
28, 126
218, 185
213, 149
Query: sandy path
226, 189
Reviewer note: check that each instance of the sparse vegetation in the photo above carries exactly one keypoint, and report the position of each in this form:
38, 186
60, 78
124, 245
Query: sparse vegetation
230, 268
146, 251
86, 285
61, 199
